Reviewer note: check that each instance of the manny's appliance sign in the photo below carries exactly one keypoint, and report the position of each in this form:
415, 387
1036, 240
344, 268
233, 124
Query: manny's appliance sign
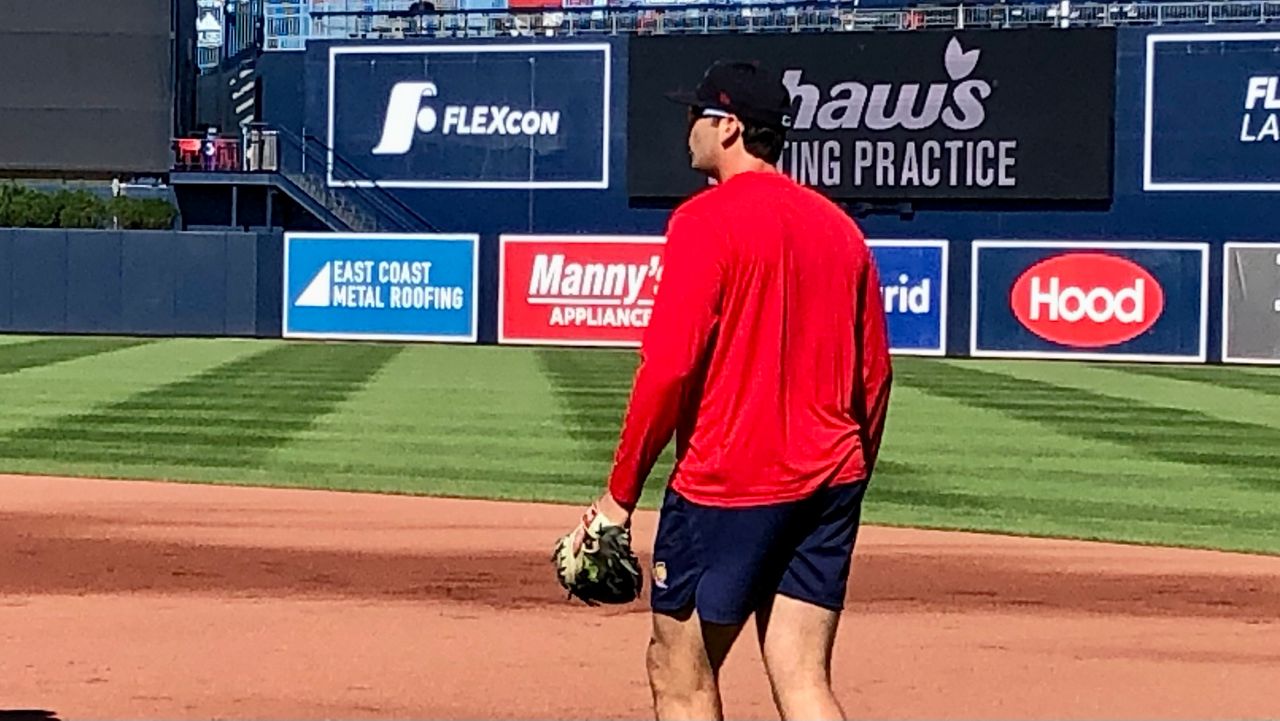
592, 290
1212, 115
901, 116
473, 116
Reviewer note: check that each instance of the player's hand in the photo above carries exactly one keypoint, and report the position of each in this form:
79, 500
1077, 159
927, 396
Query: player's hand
609, 508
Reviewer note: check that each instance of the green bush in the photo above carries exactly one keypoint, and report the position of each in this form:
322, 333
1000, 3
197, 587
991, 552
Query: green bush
23, 207
142, 213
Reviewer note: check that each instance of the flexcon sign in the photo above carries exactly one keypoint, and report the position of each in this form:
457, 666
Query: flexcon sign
380, 286
470, 116
1064, 299
1212, 112
961, 115
600, 290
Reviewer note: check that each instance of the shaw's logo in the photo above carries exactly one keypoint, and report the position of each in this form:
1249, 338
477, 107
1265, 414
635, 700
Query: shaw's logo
1087, 300
854, 105
407, 112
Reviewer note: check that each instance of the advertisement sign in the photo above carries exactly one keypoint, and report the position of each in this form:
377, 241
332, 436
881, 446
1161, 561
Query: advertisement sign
1212, 112
913, 286
1088, 300
469, 116
982, 114
1251, 303
376, 286
578, 290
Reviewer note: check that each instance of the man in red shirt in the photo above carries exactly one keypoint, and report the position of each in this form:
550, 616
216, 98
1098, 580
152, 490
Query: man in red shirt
767, 356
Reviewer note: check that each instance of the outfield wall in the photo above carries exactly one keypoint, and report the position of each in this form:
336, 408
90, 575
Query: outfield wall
1027, 298
139, 283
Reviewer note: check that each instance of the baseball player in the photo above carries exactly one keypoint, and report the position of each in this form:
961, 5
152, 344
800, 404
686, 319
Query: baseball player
767, 357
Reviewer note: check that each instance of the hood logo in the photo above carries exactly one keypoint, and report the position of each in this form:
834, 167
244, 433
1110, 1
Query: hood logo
1087, 300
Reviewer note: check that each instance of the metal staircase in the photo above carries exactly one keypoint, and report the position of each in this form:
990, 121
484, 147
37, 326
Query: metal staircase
362, 209
351, 217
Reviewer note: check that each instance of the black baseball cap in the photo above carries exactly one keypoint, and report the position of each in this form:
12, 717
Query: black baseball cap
742, 88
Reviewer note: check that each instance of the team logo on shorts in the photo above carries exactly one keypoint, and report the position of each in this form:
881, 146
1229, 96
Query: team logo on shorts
660, 574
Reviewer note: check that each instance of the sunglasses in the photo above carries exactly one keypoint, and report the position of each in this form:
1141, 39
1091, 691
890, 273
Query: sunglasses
696, 114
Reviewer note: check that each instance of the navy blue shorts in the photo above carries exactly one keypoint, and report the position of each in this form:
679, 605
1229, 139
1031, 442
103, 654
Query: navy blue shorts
727, 561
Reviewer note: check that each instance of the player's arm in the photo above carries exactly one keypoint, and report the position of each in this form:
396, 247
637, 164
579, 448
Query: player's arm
875, 369
685, 313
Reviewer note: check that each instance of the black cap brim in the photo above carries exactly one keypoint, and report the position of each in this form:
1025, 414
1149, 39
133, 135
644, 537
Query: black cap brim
683, 97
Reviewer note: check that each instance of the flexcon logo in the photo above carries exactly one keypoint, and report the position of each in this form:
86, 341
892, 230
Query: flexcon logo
884, 106
409, 110
1087, 300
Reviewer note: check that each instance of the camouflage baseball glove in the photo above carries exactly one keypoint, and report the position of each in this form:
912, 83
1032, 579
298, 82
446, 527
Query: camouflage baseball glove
605, 569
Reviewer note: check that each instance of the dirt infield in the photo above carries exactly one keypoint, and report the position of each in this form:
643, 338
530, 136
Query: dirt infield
169, 601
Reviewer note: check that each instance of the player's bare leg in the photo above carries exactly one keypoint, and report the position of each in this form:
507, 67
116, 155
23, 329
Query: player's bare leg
796, 639
683, 660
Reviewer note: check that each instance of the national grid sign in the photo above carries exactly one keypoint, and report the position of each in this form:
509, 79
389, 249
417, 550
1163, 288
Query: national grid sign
913, 286
369, 286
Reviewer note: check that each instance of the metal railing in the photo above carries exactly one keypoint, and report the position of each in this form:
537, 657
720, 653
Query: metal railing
290, 23
304, 161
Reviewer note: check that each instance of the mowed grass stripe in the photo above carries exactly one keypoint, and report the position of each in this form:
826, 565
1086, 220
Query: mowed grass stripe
15, 357
6, 339
229, 416
438, 419
952, 446
594, 388
41, 395
1253, 380
1226, 450
1029, 508
1080, 519
1227, 404
949, 465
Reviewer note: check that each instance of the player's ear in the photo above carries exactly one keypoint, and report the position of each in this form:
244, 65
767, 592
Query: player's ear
730, 131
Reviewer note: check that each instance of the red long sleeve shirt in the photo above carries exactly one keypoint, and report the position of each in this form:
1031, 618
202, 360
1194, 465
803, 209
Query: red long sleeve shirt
766, 352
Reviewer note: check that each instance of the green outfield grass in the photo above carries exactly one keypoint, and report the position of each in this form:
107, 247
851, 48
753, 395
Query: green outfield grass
1138, 453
